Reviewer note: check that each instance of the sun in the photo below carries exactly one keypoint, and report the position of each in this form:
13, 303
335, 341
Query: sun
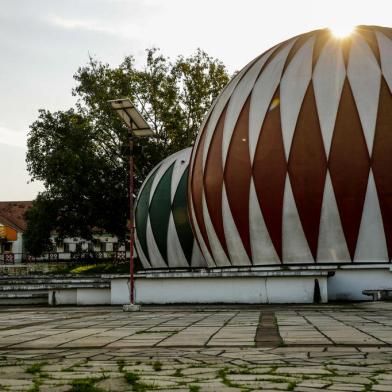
341, 31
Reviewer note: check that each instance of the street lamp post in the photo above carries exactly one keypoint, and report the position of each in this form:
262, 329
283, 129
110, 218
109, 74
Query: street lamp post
137, 127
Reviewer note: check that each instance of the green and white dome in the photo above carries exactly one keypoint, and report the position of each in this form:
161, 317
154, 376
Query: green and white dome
164, 237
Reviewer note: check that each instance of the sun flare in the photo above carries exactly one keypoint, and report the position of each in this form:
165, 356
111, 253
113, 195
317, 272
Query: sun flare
342, 31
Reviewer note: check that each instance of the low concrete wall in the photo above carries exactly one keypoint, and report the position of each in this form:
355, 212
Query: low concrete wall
228, 290
119, 291
93, 296
62, 297
348, 283
188, 287
79, 296
235, 286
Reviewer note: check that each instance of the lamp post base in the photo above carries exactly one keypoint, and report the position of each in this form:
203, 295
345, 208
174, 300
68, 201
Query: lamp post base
131, 308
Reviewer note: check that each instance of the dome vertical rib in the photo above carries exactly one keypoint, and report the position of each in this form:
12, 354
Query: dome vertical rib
269, 173
349, 167
382, 160
197, 190
213, 181
238, 186
307, 168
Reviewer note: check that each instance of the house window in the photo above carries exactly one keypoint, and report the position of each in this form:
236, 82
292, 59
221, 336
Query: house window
66, 247
96, 243
115, 246
78, 247
8, 247
103, 246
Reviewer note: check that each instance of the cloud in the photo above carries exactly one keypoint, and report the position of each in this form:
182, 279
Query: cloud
15, 180
88, 25
12, 137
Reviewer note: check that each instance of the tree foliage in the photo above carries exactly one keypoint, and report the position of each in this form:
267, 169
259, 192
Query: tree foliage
82, 154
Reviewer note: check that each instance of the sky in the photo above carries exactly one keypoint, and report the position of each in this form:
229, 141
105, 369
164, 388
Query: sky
43, 42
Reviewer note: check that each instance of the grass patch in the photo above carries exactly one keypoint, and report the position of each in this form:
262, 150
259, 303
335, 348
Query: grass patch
133, 380
121, 364
194, 388
157, 366
101, 268
273, 369
291, 386
367, 387
177, 373
241, 370
75, 366
222, 374
37, 382
91, 267
85, 385
35, 368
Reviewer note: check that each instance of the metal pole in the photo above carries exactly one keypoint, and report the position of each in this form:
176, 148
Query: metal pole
131, 223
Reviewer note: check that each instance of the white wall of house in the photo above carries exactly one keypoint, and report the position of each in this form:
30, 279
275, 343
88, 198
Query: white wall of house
101, 243
17, 247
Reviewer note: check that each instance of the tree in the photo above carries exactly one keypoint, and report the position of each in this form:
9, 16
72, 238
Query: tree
81, 155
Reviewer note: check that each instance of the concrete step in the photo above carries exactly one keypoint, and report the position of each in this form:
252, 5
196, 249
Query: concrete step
31, 286
13, 280
24, 298
56, 282
50, 276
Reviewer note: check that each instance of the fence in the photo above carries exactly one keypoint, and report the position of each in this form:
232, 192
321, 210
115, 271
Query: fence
114, 256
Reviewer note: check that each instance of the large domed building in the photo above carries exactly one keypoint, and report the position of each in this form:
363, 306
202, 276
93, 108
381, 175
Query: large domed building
289, 184
293, 164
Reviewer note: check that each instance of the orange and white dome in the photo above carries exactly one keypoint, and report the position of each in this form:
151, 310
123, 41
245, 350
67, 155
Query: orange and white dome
293, 163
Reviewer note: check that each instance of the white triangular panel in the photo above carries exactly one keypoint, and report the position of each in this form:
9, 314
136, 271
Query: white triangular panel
332, 246
293, 87
364, 75
221, 102
203, 246
156, 258
175, 255
328, 79
238, 255
295, 246
385, 47
218, 252
139, 251
197, 257
371, 244
181, 163
237, 101
144, 184
262, 94
160, 173
198, 137
263, 250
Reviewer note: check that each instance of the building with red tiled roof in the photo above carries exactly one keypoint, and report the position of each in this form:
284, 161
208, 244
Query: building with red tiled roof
12, 214
13, 224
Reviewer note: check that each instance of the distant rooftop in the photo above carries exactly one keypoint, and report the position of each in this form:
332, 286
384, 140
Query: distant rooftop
12, 213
